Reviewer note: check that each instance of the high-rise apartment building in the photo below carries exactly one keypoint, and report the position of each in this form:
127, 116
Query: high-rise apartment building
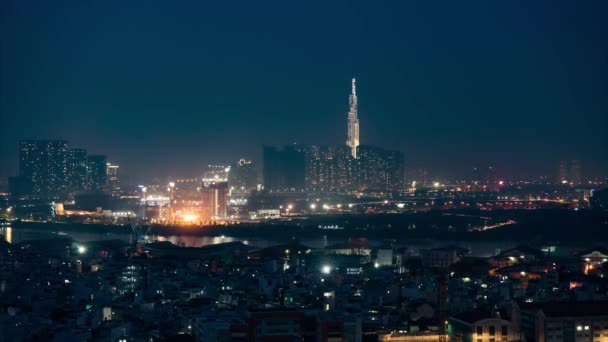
379, 169
332, 168
50, 169
214, 198
98, 177
43, 166
77, 170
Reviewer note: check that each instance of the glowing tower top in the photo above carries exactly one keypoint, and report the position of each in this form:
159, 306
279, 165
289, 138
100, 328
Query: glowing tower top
353, 122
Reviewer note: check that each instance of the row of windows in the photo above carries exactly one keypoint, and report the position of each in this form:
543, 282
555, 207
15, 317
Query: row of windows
504, 330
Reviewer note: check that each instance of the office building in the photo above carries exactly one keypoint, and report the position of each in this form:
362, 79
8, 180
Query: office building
113, 186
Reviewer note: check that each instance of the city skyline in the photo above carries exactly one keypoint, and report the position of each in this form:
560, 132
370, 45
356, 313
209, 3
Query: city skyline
350, 171
481, 86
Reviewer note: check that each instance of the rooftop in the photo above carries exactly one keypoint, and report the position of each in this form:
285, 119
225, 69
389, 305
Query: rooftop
568, 309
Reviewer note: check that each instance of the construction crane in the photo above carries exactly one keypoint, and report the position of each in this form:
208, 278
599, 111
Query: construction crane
140, 232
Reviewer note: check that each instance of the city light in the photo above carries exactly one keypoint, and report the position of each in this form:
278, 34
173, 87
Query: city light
190, 218
320, 244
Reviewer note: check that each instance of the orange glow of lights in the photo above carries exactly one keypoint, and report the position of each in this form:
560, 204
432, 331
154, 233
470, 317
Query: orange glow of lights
190, 218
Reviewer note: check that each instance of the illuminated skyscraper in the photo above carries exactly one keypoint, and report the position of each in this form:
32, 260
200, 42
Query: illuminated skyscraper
113, 181
353, 122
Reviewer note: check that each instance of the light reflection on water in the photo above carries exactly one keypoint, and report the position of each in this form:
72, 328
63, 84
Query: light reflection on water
478, 249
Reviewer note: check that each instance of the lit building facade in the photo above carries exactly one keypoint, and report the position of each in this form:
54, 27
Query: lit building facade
214, 200
216, 173
50, 169
563, 321
332, 168
482, 327
353, 122
77, 170
113, 178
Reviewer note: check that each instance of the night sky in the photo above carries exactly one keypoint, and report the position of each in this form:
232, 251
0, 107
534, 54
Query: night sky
165, 87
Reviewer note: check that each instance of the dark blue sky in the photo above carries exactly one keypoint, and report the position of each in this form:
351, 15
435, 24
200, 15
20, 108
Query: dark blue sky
164, 87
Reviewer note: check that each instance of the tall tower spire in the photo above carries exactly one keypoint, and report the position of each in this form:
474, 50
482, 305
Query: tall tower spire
353, 122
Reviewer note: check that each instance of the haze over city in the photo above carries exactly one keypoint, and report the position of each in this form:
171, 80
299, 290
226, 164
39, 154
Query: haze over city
167, 89
347, 171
